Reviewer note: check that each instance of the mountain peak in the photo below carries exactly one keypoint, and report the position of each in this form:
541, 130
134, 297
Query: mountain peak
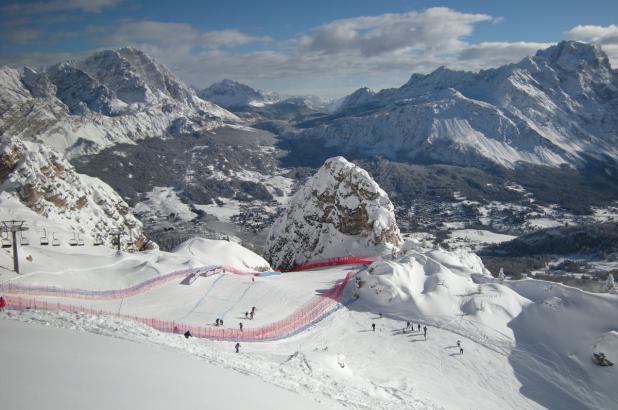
570, 55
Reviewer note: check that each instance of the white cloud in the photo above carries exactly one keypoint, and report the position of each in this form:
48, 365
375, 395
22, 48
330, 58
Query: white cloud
230, 38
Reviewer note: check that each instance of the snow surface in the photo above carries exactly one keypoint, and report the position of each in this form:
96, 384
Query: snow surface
512, 358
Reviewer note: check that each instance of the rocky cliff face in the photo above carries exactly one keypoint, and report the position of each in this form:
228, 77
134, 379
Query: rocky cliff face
42, 180
555, 108
339, 211
113, 96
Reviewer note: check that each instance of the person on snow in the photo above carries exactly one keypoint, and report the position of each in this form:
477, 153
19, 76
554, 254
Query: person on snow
251, 315
246, 315
459, 343
237, 347
373, 326
187, 334
240, 326
419, 327
221, 322
217, 322
425, 331
2, 303
408, 325
461, 350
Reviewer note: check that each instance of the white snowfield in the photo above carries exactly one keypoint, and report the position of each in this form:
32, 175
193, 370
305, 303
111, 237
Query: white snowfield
527, 344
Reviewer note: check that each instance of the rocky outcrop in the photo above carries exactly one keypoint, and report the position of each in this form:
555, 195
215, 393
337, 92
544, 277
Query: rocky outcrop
42, 180
339, 211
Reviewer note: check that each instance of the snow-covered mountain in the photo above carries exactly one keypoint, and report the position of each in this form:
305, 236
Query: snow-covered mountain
232, 94
38, 185
113, 96
557, 107
338, 211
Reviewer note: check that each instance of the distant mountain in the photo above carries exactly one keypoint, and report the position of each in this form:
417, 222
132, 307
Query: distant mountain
255, 106
113, 96
231, 94
559, 107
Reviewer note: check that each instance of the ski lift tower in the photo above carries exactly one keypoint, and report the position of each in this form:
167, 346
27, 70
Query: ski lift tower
14, 227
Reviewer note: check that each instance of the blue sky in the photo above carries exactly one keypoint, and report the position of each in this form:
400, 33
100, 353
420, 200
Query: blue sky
326, 48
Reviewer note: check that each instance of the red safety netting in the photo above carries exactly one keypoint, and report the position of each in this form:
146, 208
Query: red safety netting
317, 308
342, 260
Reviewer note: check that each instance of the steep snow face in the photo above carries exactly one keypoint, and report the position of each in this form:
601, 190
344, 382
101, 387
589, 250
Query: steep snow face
558, 107
232, 94
339, 211
36, 177
113, 96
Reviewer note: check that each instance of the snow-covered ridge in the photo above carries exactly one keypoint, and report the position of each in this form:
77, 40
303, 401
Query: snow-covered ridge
232, 94
113, 96
338, 211
37, 182
555, 108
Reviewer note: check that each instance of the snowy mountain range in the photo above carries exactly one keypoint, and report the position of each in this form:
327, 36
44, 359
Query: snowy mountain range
559, 107
111, 97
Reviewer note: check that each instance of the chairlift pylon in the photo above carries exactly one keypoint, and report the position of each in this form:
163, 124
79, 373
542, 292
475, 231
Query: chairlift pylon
44, 241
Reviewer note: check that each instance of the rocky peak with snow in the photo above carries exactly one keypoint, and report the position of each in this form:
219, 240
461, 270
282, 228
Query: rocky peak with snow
339, 211
232, 94
43, 181
555, 108
110, 97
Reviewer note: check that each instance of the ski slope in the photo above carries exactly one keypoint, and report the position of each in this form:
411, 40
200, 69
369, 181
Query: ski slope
527, 344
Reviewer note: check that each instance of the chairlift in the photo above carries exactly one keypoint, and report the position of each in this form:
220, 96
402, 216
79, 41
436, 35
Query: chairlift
55, 241
44, 241
6, 243
98, 241
131, 247
23, 240
80, 241
73, 240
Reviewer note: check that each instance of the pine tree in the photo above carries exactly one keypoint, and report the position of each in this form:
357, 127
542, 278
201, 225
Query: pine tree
611, 286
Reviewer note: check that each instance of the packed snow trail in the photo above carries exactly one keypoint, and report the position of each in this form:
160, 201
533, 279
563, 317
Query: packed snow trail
199, 302
315, 310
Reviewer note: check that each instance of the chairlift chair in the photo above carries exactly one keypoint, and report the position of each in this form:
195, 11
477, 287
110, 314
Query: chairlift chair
6, 242
131, 247
98, 241
23, 240
73, 240
44, 241
80, 241
55, 241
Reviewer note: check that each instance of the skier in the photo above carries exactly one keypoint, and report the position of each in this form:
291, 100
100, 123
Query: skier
419, 327
237, 347
373, 326
408, 325
461, 350
459, 343
217, 322
251, 315
253, 311
425, 330
2, 303
221, 322
246, 315
240, 326
187, 334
